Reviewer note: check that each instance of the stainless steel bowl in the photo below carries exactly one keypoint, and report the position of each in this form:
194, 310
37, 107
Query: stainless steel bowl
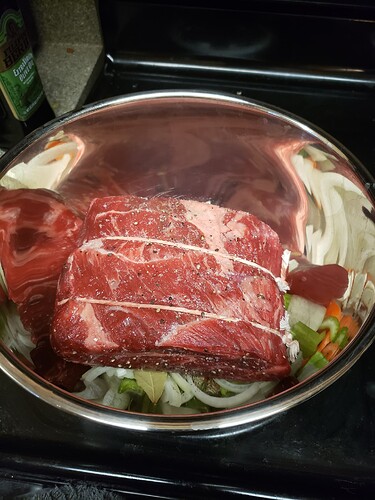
235, 152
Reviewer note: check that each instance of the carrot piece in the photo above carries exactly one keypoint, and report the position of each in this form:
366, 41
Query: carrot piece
330, 350
52, 144
326, 340
351, 323
333, 309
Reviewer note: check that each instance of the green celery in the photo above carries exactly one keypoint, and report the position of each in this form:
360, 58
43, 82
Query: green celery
342, 337
225, 392
308, 339
130, 385
318, 360
314, 364
147, 406
332, 324
287, 297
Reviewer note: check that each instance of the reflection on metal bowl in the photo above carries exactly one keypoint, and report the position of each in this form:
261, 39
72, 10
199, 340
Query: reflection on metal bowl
228, 151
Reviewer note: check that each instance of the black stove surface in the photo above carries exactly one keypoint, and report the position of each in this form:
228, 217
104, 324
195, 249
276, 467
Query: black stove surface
323, 448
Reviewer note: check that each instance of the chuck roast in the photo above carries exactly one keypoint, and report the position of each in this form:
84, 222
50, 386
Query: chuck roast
175, 285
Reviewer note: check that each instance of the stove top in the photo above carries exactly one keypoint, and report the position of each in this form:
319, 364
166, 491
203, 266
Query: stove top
323, 448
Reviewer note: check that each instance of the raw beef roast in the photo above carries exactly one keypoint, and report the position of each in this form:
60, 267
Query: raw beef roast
171, 284
37, 234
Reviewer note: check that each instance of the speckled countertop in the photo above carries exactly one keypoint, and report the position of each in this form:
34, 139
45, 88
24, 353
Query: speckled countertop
69, 53
70, 50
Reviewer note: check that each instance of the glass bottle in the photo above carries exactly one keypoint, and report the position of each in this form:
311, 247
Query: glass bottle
23, 103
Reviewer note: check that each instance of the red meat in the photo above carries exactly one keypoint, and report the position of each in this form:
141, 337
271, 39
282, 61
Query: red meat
37, 233
320, 284
175, 285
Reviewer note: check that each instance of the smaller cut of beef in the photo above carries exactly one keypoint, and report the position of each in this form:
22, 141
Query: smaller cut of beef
37, 234
175, 285
320, 284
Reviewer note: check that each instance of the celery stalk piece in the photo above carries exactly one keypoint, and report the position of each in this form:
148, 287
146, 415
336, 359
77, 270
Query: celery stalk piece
287, 298
332, 324
308, 338
315, 363
128, 384
342, 337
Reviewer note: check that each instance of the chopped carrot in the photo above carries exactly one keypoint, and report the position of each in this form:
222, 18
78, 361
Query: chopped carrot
351, 323
326, 340
330, 350
333, 309
52, 144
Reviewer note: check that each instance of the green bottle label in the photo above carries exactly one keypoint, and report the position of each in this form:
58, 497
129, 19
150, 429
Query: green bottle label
19, 79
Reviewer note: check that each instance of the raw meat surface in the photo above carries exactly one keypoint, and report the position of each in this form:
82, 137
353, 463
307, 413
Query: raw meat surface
37, 234
320, 284
175, 285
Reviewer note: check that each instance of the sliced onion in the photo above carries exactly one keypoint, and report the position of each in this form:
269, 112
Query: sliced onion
232, 386
181, 382
93, 373
172, 393
119, 372
13, 332
219, 402
184, 386
115, 400
94, 390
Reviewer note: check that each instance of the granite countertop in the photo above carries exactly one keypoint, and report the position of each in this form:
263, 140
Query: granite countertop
70, 53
